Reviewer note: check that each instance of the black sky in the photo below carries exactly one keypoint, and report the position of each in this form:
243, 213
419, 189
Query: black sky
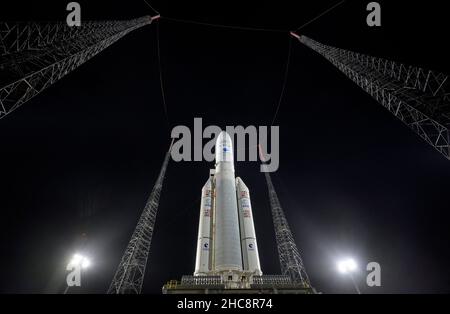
79, 160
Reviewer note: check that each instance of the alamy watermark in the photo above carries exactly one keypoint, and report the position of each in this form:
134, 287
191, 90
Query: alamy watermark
74, 17
373, 278
374, 17
247, 143
78, 262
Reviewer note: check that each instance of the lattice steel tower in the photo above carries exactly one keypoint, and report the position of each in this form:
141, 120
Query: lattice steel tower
36, 55
130, 273
291, 262
418, 97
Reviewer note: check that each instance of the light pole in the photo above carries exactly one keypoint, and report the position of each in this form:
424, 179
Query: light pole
80, 262
348, 266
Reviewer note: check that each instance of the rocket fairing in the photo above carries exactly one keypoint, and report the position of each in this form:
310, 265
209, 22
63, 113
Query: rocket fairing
226, 232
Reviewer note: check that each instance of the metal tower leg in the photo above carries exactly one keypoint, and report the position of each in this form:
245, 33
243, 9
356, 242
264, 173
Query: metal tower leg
420, 98
130, 273
290, 260
33, 56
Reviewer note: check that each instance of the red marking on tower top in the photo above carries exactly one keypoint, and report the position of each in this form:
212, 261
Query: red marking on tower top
295, 35
156, 17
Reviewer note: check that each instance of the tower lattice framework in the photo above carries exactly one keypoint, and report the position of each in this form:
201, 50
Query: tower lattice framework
129, 276
289, 256
33, 55
418, 97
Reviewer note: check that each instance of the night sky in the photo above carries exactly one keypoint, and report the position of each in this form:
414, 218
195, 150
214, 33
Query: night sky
79, 161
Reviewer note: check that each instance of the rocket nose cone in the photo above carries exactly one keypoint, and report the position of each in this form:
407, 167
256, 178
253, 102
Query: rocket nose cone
224, 147
224, 137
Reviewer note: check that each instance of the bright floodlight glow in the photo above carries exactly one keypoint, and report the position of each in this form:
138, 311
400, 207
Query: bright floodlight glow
79, 259
347, 265
85, 263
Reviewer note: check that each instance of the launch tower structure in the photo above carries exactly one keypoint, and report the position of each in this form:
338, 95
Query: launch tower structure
35, 55
420, 98
129, 276
289, 256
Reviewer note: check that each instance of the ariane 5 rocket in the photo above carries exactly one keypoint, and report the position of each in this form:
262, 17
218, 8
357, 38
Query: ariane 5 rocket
226, 233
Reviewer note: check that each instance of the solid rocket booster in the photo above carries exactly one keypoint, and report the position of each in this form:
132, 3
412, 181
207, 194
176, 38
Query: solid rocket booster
203, 260
249, 246
227, 248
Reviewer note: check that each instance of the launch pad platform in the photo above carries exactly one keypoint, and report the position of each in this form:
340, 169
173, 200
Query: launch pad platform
265, 284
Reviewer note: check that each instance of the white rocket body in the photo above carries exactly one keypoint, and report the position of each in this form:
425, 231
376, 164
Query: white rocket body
203, 260
227, 248
226, 235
